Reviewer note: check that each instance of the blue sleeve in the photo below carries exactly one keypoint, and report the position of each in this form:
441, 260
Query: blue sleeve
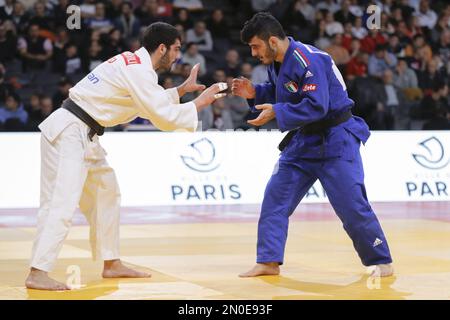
265, 93
314, 98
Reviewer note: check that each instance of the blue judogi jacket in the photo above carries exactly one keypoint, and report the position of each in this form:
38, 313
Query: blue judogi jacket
309, 87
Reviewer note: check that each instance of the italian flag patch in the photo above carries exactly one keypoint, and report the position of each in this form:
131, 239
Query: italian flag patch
291, 86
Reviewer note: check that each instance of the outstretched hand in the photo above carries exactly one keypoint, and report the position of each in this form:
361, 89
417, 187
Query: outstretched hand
265, 116
191, 85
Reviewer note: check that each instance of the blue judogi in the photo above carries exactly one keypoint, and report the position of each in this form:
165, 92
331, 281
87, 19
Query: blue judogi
305, 88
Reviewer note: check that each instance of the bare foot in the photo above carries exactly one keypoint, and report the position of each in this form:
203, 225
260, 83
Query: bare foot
383, 270
39, 280
262, 269
115, 269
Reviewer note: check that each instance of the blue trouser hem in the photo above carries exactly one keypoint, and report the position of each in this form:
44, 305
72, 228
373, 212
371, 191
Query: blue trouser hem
381, 261
267, 260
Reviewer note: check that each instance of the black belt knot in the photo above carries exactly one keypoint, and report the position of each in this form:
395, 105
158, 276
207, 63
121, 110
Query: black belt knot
95, 127
317, 127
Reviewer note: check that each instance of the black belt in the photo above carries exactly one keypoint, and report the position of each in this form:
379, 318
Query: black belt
317, 127
96, 128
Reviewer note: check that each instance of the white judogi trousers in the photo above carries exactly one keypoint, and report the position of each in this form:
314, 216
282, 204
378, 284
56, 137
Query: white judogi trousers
74, 172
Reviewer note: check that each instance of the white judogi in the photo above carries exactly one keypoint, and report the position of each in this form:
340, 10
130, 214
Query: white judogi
74, 171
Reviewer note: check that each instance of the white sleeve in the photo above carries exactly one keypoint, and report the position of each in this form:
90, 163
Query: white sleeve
173, 95
155, 103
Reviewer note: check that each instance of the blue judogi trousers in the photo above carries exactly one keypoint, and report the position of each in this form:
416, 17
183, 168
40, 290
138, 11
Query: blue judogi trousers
343, 181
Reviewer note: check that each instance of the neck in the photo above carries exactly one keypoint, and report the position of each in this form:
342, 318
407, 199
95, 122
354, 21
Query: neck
154, 60
282, 50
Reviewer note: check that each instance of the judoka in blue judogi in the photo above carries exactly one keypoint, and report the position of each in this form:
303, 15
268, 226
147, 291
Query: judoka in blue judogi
307, 95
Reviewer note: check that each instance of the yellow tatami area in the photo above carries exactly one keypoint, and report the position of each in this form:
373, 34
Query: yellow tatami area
202, 261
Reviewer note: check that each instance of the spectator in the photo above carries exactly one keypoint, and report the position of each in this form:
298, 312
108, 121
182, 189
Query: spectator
305, 9
246, 70
99, 21
440, 120
88, 9
60, 13
404, 77
127, 22
13, 110
358, 30
148, 13
392, 103
322, 40
259, 74
219, 29
357, 67
61, 41
380, 61
442, 48
113, 44
328, 5
216, 116
339, 54
347, 36
237, 106
438, 99
344, 15
373, 39
6, 10
192, 56
5, 88
46, 106
8, 44
33, 108
34, 49
431, 78
180, 29
184, 19
200, 36
114, 9
94, 57
41, 17
332, 27
19, 17
63, 91
395, 47
426, 17
72, 63
232, 65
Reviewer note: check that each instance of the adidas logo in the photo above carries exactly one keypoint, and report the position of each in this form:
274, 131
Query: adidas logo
308, 74
377, 242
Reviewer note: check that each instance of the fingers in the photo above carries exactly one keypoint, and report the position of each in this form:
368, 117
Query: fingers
255, 122
194, 70
219, 95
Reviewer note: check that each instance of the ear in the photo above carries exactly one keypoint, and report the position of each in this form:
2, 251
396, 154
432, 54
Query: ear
273, 42
162, 48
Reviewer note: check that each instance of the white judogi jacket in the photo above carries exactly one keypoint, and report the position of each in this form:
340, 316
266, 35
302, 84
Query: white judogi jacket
121, 89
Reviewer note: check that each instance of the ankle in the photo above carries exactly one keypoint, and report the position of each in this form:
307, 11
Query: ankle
35, 271
108, 264
271, 264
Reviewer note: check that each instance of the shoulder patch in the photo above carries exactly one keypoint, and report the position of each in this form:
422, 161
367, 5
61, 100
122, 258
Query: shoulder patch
292, 86
309, 87
300, 56
130, 58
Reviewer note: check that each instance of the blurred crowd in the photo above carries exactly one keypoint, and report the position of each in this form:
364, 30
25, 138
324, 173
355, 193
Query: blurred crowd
397, 74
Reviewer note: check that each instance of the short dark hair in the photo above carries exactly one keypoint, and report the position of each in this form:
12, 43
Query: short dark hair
263, 25
159, 33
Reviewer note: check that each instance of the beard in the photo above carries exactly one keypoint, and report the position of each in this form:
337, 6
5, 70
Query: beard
269, 55
164, 63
